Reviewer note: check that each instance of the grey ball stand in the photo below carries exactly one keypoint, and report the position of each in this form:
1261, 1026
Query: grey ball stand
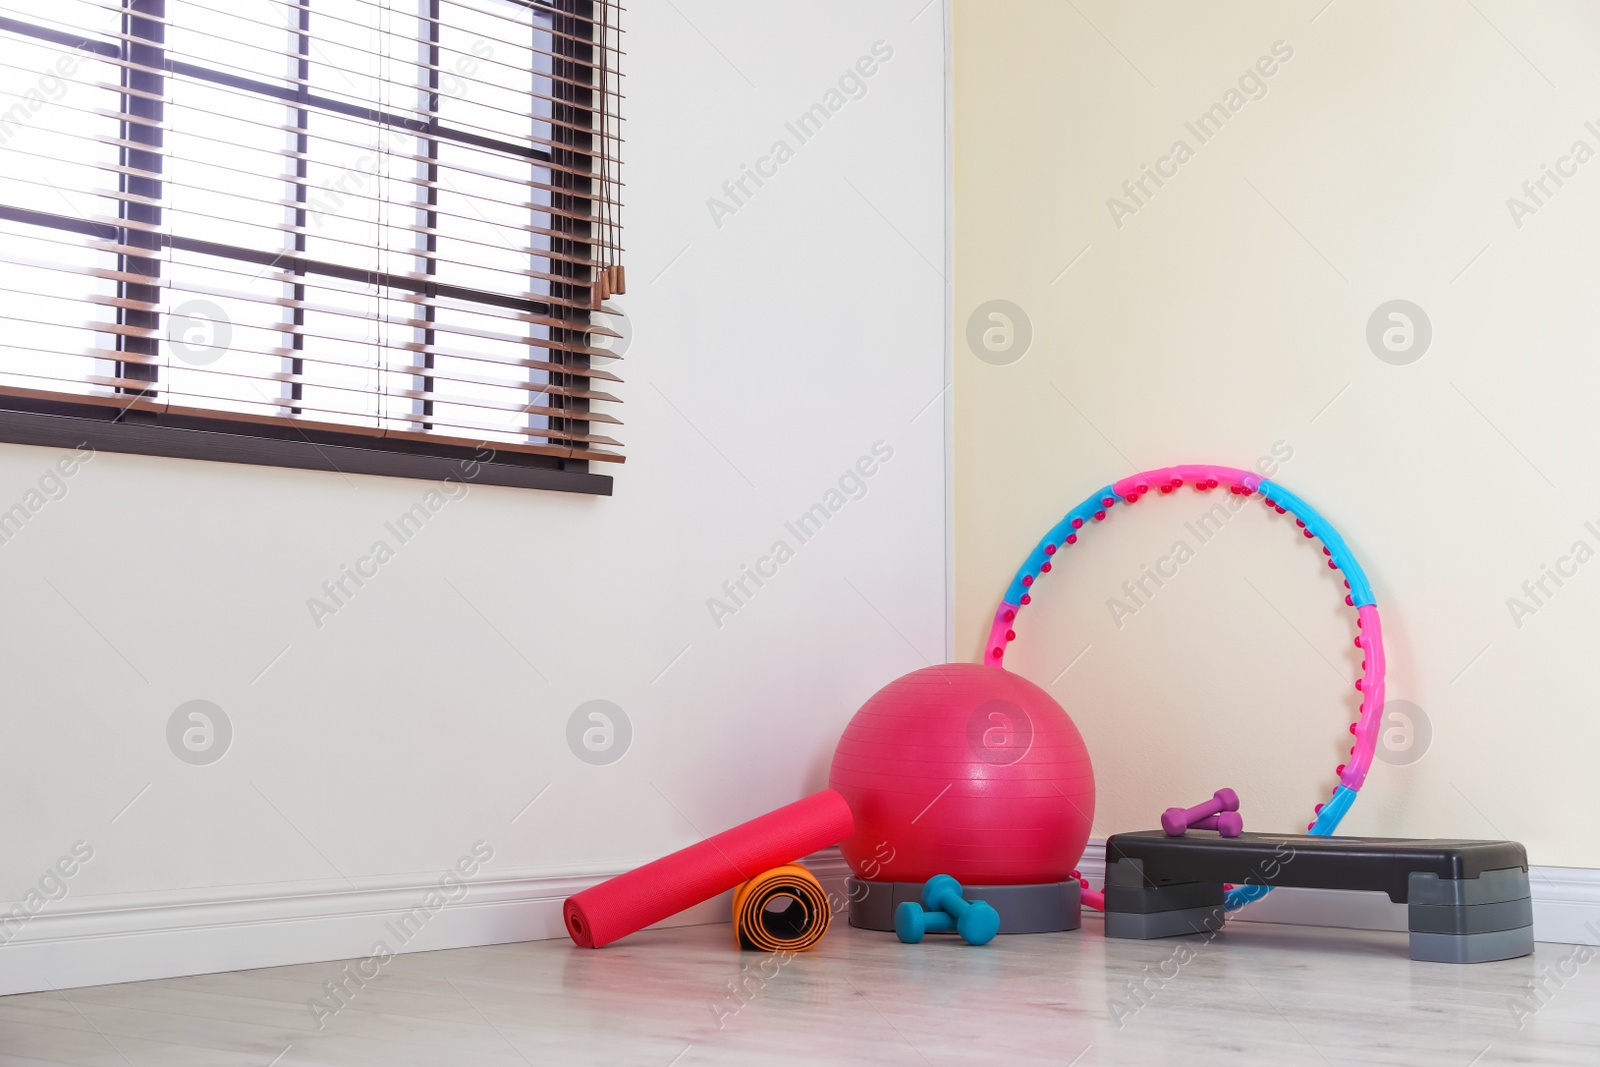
1024, 909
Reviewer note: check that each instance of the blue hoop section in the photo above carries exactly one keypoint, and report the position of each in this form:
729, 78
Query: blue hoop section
1069, 525
1322, 530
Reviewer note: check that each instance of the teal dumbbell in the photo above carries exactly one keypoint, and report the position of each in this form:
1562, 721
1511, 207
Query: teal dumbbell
975, 920
911, 922
944, 909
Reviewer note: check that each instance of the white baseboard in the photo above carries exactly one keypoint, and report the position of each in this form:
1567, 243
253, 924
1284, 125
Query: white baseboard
81, 941
95, 941
1566, 904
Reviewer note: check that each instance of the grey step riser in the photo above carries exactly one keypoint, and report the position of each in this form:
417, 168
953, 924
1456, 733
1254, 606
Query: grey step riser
1133, 901
1491, 887
1144, 927
1472, 948
1470, 918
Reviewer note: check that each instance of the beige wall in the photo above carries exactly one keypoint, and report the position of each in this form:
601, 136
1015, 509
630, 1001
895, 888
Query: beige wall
1224, 315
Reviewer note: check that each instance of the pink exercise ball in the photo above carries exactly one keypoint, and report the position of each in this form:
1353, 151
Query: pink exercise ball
965, 770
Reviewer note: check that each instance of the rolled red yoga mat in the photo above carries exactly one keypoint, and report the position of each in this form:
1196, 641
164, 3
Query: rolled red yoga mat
616, 908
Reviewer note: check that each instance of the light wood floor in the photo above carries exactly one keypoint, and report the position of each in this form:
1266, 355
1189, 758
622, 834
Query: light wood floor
1259, 994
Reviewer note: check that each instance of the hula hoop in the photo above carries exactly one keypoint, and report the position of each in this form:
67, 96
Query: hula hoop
1204, 477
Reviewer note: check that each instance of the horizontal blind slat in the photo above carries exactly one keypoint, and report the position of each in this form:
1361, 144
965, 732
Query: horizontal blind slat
68, 242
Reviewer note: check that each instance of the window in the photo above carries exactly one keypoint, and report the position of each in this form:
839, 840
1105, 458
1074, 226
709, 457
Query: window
359, 235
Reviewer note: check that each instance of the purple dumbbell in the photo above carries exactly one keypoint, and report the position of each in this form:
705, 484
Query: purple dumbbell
1176, 820
1226, 823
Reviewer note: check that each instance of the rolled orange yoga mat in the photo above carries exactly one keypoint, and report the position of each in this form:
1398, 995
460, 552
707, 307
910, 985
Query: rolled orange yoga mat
784, 929
617, 907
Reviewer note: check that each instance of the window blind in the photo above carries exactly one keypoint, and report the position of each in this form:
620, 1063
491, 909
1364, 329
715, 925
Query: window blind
388, 222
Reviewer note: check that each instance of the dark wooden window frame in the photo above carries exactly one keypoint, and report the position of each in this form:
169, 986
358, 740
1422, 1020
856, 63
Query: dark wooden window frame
62, 422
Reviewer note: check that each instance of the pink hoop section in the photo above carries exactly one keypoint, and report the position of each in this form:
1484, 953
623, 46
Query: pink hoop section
1197, 474
1367, 728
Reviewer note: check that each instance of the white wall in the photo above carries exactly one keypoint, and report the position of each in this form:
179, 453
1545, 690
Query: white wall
770, 353
1229, 312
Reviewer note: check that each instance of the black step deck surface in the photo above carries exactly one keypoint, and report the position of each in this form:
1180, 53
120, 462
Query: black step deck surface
1381, 864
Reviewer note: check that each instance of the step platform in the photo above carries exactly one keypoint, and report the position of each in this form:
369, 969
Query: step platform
1467, 901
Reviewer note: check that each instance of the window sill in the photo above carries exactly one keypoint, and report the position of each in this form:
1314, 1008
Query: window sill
335, 453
